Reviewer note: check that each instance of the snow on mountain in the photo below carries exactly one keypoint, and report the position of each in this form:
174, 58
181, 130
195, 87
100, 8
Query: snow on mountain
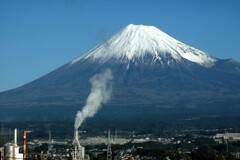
137, 41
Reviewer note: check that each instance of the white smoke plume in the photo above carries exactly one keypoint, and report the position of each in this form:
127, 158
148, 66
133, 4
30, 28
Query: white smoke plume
100, 94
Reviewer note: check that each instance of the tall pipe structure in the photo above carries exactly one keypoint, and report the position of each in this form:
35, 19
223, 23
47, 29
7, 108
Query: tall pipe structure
15, 136
15, 149
76, 140
24, 145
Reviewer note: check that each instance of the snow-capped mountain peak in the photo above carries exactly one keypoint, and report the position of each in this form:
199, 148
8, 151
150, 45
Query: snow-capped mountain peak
137, 41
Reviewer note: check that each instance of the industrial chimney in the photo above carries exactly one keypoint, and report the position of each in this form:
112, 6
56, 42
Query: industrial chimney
78, 152
76, 140
15, 136
24, 145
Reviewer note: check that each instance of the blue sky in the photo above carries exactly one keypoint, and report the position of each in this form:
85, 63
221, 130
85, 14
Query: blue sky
38, 36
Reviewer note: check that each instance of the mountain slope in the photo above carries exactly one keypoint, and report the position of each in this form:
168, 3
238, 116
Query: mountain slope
150, 69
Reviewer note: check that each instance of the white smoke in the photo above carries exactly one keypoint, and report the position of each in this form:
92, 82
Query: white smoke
100, 94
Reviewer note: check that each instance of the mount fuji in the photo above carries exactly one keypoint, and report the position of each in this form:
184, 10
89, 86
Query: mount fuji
137, 43
151, 70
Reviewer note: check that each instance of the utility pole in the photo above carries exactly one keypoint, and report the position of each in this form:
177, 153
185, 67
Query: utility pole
2, 130
227, 145
49, 135
226, 140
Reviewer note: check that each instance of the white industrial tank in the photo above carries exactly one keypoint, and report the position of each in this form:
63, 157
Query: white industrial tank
9, 152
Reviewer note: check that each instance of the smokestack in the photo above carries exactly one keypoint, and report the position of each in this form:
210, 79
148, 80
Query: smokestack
76, 134
76, 140
24, 145
15, 136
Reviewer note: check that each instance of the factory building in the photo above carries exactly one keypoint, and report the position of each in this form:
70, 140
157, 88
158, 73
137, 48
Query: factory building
228, 136
11, 150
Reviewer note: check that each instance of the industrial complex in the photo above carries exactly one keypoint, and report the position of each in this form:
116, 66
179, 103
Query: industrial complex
75, 151
81, 146
11, 151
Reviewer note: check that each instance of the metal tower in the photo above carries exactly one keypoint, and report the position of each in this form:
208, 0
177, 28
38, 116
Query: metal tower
115, 134
109, 149
50, 146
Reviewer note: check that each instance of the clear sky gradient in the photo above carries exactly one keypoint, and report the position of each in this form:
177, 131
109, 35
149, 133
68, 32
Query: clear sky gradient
38, 36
